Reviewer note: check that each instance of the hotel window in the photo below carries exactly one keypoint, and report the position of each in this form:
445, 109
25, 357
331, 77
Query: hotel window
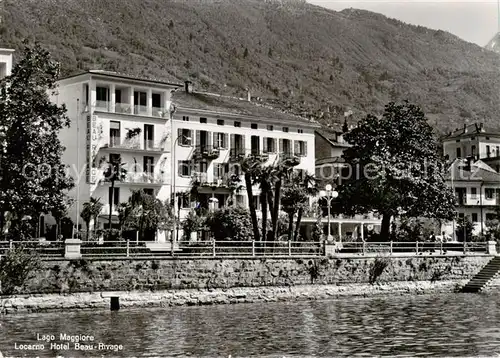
220, 122
116, 196
220, 140
254, 126
301, 148
498, 151
203, 120
115, 158
474, 218
488, 151
270, 127
459, 153
269, 145
237, 124
219, 170
285, 129
473, 150
102, 93
184, 168
149, 166
185, 118
185, 136
156, 100
488, 192
461, 215
285, 146
149, 191
184, 201
114, 133
473, 193
300, 131
140, 102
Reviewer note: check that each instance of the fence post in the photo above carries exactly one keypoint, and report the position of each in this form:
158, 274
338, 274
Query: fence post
289, 248
465, 247
364, 248
253, 247
10, 244
213, 247
391, 248
416, 247
441, 248
128, 248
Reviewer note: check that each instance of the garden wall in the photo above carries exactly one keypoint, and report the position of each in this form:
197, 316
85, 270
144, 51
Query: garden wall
67, 276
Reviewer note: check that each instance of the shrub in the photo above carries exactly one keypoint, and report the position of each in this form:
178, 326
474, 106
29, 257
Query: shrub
192, 223
233, 223
17, 267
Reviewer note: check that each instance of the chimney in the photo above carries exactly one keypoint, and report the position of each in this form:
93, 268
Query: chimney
188, 86
481, 126
465, 127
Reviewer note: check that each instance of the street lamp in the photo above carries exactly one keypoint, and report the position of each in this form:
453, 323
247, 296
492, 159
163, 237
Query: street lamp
172, 187
329, 194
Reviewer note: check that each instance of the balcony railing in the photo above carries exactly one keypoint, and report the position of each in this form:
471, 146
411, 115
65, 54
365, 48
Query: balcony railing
223, 181
118, 142
152, 145
159, 112
206, 152
259, 155
236, 154
290, 157
123, 108
102, 105
138, 109
145, 178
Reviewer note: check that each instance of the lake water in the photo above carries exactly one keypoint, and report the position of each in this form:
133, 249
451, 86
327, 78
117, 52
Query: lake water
442, 325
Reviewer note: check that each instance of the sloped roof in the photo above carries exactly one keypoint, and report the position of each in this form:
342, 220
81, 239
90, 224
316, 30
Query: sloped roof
471, 129
331, 137
123, 76
232, 105
477, 172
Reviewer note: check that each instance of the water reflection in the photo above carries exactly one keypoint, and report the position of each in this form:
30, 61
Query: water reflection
446, 325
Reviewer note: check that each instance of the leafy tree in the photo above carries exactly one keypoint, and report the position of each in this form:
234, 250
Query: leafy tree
233, 223
124, 216
464, 230
151, 213
91, 210
395, 168
32, 176
192, 223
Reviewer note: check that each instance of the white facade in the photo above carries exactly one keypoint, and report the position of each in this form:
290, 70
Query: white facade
104, 108
5, 62
218, 142
477, 191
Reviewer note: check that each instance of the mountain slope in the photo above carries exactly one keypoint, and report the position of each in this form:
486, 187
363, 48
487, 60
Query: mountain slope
294, 55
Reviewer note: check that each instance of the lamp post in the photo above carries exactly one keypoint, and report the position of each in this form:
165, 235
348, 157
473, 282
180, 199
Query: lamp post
329, 194
172, 187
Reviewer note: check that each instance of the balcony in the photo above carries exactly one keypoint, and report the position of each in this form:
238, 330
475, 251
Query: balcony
123, 108
224, 181
144, 178
141, 110
236, 154
260, 156
118, 142
206, 152
151, 145
102, 106
159, 112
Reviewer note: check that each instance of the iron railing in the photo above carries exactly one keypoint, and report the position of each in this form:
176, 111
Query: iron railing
214, 248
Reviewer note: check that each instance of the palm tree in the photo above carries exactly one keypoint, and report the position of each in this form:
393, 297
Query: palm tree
251, 169
113, 173
124, 215
91, 210
309, 187
151, 212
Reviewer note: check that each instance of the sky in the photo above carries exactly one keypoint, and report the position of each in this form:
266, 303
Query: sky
472, 20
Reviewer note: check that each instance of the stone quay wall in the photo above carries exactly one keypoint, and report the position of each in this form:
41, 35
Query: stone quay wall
127, 275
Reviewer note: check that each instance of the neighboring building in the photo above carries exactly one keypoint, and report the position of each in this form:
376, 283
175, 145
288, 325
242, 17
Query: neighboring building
5, 62
472, 141
329, 147
213, 133
116, 117
476, 186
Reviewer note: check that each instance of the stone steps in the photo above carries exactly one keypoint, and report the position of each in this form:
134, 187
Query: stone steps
484, 277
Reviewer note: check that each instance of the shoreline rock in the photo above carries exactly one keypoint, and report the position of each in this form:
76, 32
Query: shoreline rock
191, 297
